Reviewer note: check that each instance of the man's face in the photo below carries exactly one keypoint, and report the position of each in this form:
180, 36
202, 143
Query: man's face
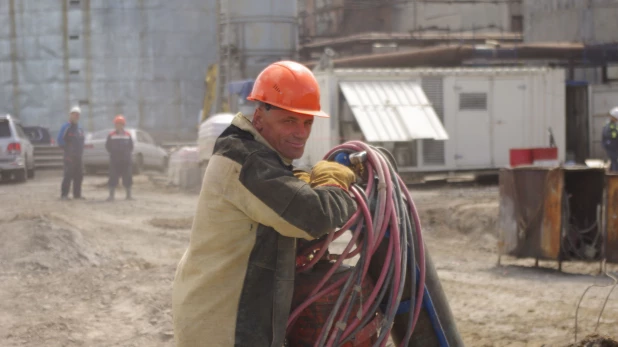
119, 126
74, 117
286, 131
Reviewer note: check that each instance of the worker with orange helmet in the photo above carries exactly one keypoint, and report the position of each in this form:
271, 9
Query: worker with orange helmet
234, 284
119, 145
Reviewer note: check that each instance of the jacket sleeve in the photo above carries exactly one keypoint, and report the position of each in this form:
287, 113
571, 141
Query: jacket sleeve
61, 134
605, 137
299, 210
130, 144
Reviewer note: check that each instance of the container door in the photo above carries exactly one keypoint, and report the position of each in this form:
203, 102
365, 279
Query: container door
473, 147
508, 109
577, 127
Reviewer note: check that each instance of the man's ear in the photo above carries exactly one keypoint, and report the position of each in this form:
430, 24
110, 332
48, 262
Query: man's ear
257, 119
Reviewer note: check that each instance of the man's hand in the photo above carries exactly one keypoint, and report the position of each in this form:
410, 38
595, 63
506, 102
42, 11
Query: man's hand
302, 175
330, 173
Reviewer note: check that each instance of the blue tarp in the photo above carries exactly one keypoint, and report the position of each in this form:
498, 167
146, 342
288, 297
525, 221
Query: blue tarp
241, 88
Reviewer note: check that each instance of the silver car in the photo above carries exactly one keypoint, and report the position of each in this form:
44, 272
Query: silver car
16, 151
146, 153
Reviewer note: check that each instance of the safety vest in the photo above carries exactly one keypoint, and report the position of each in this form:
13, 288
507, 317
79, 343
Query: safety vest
613, 131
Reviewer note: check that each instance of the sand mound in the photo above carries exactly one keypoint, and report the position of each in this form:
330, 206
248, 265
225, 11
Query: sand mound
470, 219
596, 340
35, 243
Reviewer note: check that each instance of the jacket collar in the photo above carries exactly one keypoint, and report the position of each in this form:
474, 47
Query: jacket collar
245, 124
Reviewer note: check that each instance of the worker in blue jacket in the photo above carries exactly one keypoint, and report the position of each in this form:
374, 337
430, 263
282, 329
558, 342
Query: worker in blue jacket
71, 140
119, 144
610, 139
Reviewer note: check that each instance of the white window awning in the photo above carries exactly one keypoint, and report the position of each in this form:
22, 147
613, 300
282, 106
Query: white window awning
393, 111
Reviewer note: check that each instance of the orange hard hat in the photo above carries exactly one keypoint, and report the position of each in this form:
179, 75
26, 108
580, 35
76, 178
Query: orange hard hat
288, 85
120, 119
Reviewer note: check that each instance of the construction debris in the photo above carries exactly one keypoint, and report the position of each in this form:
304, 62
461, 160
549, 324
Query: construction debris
595, 340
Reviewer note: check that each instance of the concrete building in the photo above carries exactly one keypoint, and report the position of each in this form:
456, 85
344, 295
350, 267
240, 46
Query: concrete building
352, 28
451, 16
586, 21
144, 58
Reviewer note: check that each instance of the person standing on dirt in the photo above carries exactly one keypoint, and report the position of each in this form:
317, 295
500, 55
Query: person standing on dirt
610, 139
119, 145
234, 283
71, 140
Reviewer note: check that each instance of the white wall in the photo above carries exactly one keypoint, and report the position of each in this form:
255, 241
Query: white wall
543, 98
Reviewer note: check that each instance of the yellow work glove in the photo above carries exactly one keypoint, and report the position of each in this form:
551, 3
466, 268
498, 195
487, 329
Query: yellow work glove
302, 175
330, 173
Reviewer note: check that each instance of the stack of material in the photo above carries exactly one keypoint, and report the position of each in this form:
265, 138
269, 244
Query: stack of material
184, 170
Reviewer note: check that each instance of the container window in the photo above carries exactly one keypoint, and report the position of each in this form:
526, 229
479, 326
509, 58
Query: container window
473, 101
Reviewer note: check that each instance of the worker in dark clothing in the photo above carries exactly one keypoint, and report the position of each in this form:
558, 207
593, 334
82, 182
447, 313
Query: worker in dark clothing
610, 139
71, 140
119, 145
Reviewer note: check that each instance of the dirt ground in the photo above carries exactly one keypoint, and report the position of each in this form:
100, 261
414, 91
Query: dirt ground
92, 273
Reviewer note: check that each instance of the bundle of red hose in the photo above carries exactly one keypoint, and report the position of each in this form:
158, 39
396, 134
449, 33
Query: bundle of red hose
389, 191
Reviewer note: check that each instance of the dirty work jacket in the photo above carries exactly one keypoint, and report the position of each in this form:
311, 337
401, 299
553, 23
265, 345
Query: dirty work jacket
71, 140
610, 138
234, 284
119, 145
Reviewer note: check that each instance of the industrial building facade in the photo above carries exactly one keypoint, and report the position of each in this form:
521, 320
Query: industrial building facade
145, 59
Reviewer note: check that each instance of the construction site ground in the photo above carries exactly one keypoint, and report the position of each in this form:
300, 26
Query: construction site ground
94, 273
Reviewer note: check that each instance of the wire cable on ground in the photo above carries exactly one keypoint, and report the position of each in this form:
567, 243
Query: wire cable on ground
613, 285
386, 216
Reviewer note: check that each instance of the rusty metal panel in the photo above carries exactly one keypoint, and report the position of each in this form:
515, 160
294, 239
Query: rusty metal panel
552, 215
555, 214
530, 214
507, 219
611, 219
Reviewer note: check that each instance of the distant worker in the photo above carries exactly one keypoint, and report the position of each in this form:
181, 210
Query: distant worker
234, 284
119, 145
610, 139
71, 140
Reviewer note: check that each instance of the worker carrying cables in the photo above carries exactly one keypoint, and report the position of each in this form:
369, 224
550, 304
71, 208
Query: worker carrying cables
235, 282
119, 145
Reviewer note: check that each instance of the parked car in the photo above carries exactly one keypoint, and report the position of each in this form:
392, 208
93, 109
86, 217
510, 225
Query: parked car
146, 153
16, 151
39, 136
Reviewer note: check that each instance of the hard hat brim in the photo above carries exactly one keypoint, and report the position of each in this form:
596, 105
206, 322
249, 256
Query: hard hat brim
318, 113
